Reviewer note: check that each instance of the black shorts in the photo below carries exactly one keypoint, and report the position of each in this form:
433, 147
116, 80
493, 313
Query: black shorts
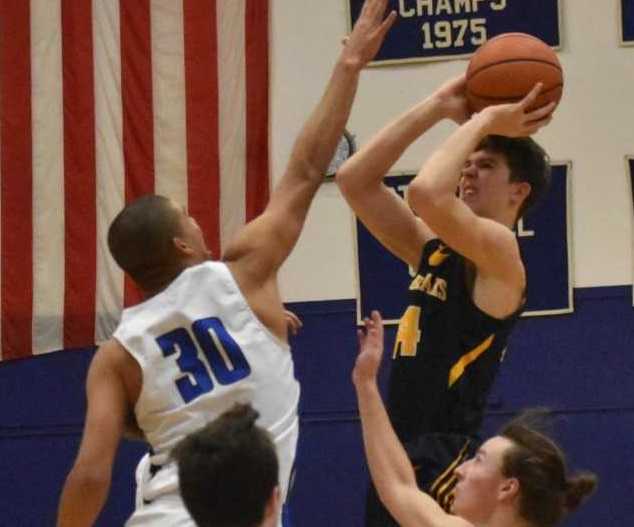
434, 457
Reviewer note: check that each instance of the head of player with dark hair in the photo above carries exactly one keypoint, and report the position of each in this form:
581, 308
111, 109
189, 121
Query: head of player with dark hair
505, 174
520, 473
228, 472
153, 240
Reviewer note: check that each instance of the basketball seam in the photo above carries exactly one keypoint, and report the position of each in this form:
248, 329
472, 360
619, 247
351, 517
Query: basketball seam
508, 61
509, 97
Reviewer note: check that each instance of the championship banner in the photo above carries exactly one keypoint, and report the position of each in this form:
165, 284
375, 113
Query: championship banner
448, 29
545, 243
627, 22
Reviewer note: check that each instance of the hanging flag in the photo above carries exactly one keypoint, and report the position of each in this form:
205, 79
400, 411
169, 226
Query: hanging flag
100, 103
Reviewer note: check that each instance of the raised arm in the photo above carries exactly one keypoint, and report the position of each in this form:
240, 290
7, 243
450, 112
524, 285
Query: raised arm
262, 246
88, 482
360, 179
432, 194
391, 470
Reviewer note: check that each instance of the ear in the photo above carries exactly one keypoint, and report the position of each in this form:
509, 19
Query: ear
521, 190
509, 489
182, 247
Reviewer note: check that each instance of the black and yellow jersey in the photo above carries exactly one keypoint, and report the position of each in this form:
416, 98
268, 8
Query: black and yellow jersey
447, 351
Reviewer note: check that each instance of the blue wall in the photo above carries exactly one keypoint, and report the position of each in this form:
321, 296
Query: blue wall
580, 365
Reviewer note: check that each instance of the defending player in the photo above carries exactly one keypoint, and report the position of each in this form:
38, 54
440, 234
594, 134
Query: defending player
516, 479
210, 333
470, 282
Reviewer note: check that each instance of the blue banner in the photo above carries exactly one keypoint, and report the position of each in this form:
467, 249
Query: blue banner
442, 29
627, 22
544, 240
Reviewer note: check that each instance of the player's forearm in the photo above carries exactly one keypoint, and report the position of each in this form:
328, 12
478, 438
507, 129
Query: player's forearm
440, 175
370, 164
83, 497
318, 139
389, 465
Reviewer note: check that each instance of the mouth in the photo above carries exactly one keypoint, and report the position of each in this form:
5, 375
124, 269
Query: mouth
468, 192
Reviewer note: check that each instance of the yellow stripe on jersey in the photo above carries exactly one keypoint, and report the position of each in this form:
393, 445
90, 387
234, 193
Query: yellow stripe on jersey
459, 367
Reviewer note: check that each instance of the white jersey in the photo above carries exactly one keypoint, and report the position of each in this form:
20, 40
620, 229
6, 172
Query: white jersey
201, 349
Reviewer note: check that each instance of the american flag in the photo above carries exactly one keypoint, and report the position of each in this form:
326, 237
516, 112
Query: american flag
102, 101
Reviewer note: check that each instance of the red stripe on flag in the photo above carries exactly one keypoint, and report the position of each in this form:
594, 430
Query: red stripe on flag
257, 101
79, 175
138, 120
17, 179
201, 85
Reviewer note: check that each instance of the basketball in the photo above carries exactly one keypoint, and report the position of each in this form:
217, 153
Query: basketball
508, 66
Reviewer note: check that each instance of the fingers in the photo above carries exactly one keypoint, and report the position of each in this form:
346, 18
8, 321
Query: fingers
375, 8
360, 338
534, 126
386, 24
527, 101
540, 113
293, 322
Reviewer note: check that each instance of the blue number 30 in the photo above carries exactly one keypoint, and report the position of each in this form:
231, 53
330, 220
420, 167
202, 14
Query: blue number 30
223, 357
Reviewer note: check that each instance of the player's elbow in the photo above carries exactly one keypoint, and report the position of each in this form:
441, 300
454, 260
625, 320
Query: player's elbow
345, 180
422, 196
92, 480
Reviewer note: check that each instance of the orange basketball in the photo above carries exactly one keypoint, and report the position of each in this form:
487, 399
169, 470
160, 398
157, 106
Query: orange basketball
506, 68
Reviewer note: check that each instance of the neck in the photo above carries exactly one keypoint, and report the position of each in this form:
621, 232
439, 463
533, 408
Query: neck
504, 517
158, 280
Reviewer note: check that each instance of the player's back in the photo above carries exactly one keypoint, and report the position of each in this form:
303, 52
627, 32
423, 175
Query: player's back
201, 349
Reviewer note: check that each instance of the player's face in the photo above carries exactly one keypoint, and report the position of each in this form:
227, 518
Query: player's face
193, 236
485, 184
481, 482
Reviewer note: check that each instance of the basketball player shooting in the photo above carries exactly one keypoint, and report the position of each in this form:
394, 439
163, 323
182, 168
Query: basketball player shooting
470, 282
166, 366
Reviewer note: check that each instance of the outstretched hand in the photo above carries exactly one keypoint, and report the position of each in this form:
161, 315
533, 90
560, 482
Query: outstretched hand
368, 34
370, 350
518, 119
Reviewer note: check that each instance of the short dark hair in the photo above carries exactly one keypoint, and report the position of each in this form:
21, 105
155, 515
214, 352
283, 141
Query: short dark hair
527, 162
547, 492
140, 239
228, 470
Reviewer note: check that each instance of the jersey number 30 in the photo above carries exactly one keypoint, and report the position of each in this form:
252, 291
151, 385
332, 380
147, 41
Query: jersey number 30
221, 356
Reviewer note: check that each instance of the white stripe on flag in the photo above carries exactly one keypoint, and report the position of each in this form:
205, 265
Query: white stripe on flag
48, 175
232, 116
109, 160
168, 79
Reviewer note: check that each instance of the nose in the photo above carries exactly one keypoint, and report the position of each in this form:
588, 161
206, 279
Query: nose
469, 171
460, 470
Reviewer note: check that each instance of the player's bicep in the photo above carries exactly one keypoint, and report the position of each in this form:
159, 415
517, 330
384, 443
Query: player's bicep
391, 221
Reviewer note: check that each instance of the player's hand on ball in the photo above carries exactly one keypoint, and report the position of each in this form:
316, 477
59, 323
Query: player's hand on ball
370, 350
366, 38
517, 119
452, 98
